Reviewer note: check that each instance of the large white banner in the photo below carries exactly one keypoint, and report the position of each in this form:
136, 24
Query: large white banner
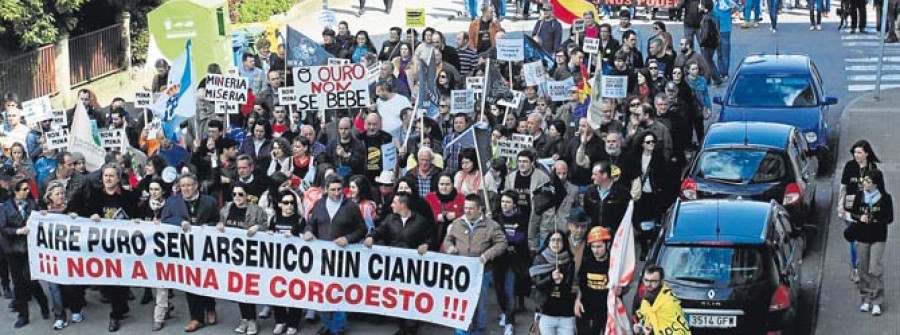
266, 269
331, 87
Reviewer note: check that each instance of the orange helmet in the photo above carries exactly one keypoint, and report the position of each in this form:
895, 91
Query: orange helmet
598, 234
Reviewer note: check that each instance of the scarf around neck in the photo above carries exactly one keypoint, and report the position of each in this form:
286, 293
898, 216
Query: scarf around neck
553, 260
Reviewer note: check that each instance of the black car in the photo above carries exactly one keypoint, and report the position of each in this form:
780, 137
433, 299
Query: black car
756, 161
734, 264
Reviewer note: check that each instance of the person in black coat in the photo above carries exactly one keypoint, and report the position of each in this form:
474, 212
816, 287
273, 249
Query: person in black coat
187, 209
403, 229
14, 215
344, 227
873, 211
606, 200
648, 164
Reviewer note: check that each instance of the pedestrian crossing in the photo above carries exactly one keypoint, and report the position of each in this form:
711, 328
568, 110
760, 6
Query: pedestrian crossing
861, 63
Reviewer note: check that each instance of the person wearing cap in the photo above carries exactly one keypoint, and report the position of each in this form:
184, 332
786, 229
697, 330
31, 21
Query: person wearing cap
548, 30
577, 226
593, 280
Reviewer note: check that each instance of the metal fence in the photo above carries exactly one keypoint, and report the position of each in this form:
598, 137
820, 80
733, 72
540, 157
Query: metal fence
29, 75
96, 54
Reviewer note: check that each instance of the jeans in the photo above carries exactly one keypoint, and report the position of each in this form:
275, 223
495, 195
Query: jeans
472, 6
480, 322
773, 12
505, 287
557, 325
691, 34
334, 322
752, 7
815, 11
714, 77
56, 297
871, 285
723, 53
853, 256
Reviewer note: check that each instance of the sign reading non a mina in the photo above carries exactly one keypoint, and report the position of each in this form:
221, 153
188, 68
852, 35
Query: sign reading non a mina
113, 139
265, 269
512, 148
331, 87
231, 89
57, 139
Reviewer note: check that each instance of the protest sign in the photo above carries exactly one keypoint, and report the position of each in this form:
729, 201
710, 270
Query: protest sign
511, 148
373, 71
327, 18
331, 87
513, 101
558, 90
476, 85
462, 101
338, 61
534, 73
57, 139
37, 110
228, 88
265, 269
113, 139
286, 96
415, 17
60, 119
143, 99
510, 49
591, 45
225, 108
388, 156
578, 26
614, 86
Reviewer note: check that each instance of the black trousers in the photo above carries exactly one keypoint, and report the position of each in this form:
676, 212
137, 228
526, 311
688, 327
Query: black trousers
408, 327
73, 297
198, 305
25, 288
4, 271
592, 321
118, 300
248, 311
288, 316
858, 12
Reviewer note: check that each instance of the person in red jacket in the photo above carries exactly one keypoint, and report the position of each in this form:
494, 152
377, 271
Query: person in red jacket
447, 203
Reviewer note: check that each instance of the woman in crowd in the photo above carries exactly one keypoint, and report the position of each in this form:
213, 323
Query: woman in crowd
863, 161
20, 161
446, 203
405, 70
700, 86
362, 47
553, 274
361, 193
278, 160
645, 89
650, 166
150, 210
161, 77
556, 144
468, 179
303, 164
509, 267
268, 200
445, 84
315, 192
14, 231
418, 204
287, 221
63, 296
263, 112
240, 213
873, 211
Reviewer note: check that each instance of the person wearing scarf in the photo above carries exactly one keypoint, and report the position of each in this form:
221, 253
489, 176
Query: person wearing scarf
151, 210
446, 203
660, 311
553, 274
872, 212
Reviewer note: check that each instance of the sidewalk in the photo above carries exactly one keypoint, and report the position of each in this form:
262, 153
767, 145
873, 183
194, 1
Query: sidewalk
839, 299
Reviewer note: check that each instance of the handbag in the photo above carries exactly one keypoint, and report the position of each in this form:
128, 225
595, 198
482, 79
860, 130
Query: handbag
535, 328
848, 202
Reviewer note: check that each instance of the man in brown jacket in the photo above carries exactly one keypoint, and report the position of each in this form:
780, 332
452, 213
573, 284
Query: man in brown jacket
476, 235
483, 30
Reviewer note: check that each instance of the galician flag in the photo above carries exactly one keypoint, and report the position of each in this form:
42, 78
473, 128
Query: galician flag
85, 139
179, 101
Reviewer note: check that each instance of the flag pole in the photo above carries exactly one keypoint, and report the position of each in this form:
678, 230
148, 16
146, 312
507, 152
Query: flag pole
484, 89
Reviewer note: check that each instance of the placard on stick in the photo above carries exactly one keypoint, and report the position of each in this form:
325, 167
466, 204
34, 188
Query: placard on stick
286, 96
591, 45
534, 73
37, 110
415, 17
60, 119
113, 139
142, 99
510, 49
614, 86
462, 101
226, 108
514, 101
57, 139
476, 85
331, 87
578, 26
230, 88
511, 148
559, 90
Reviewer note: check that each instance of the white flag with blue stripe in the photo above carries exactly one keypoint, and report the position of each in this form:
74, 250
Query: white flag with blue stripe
179, 101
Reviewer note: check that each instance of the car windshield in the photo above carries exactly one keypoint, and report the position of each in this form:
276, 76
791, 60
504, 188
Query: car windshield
767, 91
713, 265
741, 166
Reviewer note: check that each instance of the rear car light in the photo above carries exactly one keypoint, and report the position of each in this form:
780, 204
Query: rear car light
689, 189
781, 299
792, 194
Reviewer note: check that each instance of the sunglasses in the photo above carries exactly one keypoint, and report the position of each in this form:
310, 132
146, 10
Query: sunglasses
23, 189
239, 194
649, 142
288, 202
653, 68
634, 104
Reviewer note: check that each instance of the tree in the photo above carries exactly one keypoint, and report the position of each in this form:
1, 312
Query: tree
33, 23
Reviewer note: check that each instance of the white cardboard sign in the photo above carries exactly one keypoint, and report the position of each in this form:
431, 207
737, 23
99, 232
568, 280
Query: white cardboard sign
231, 89
510, 49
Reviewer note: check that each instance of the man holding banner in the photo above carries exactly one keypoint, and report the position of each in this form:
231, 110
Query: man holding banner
476, 235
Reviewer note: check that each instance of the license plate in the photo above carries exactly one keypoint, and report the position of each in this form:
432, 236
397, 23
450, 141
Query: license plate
712, 321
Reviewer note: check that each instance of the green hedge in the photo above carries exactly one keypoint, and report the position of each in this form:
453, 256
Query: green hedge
261, 10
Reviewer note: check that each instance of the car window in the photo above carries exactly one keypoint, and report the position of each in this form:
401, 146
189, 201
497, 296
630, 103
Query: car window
741, 166
815, 71
768, 91
713, 265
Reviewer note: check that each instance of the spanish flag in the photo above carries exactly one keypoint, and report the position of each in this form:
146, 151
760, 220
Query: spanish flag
569, 10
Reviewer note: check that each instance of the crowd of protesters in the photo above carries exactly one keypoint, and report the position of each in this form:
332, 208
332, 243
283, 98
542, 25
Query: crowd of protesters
542, 222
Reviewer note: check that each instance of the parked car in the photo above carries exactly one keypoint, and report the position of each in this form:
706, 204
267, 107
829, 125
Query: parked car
785, 89
733, 264
758, 161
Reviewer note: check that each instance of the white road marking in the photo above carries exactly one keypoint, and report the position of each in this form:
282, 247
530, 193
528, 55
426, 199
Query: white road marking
871, 68
871, 77
889, 59
864, 88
